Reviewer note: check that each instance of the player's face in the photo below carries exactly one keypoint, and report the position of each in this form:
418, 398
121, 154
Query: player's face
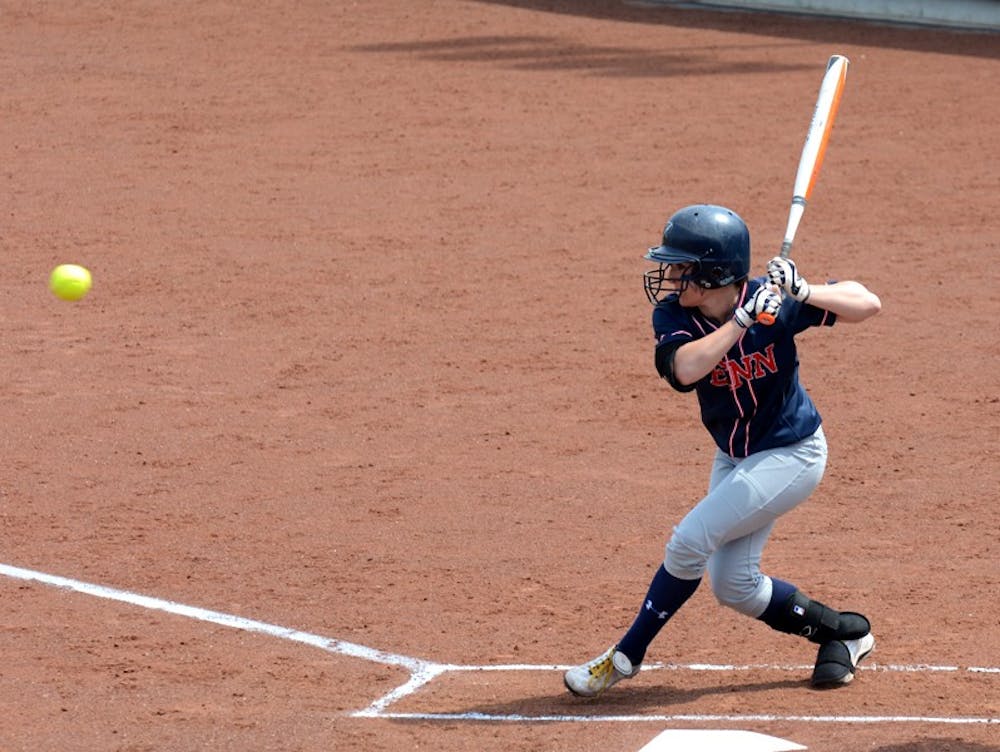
672, 279
690, 294
676, 275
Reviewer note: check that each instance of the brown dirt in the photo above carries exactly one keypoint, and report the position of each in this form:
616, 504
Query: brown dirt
368, 356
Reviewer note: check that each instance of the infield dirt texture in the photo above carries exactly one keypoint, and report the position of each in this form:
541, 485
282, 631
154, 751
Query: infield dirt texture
367, 356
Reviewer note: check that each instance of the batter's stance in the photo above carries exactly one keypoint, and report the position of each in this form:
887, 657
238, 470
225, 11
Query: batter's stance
771, 449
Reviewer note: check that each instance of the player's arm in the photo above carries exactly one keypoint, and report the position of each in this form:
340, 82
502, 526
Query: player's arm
850, 301
694, 360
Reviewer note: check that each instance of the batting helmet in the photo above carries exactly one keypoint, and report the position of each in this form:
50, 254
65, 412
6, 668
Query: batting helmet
713, 239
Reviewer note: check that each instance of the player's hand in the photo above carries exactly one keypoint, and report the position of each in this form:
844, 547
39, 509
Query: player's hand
767, 300
782, 273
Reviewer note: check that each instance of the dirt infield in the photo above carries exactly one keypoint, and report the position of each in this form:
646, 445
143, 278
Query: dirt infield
367, 356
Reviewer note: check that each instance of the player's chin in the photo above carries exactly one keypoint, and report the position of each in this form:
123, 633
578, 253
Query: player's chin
689, 298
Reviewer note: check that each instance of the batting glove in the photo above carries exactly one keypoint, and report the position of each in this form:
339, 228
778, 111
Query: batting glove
782, 273
765, 300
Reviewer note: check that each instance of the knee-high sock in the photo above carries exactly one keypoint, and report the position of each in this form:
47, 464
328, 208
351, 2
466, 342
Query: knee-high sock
774, 615
665, 596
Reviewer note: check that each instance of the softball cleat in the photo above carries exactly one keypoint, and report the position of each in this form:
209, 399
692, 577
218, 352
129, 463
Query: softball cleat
837, 661
591, 679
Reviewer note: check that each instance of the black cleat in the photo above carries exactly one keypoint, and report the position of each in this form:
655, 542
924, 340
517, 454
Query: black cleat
838, 659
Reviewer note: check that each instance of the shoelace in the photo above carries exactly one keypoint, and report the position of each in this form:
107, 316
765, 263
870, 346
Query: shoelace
602, 669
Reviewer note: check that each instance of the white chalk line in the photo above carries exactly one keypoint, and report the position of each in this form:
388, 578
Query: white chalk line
414, 665
422, 672
682, 718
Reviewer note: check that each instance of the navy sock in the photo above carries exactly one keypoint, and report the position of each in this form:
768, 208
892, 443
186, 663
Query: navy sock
774, 614
666, 595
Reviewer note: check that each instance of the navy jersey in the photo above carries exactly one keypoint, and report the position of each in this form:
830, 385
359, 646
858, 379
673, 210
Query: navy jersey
752, 400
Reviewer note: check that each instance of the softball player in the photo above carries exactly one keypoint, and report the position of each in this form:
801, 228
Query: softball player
711, 338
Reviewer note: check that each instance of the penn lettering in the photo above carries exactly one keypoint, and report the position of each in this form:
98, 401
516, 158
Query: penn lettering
734, 373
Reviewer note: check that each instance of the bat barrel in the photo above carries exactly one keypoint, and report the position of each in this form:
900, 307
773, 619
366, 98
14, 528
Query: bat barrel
813, 151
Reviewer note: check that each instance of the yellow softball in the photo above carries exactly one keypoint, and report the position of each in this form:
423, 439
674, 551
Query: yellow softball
69, 281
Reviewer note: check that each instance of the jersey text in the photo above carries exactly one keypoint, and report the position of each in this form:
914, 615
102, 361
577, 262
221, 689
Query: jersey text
734, 373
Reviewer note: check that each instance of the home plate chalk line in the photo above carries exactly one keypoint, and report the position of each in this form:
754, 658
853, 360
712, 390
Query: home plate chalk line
422, 672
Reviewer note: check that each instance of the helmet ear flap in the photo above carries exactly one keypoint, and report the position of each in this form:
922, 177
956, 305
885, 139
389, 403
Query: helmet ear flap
720, 276
712, 277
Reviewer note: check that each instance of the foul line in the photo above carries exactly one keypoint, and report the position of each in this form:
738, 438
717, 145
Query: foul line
423, 672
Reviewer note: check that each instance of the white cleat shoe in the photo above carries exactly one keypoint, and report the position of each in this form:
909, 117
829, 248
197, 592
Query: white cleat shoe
837, 661
591, 679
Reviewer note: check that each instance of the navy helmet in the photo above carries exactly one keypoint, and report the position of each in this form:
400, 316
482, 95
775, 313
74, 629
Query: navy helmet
714, 240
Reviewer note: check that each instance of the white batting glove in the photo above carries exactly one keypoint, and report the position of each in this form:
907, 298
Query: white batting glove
782, 273
767, 300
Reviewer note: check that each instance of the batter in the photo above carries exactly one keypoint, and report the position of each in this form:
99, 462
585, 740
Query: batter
771, 451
